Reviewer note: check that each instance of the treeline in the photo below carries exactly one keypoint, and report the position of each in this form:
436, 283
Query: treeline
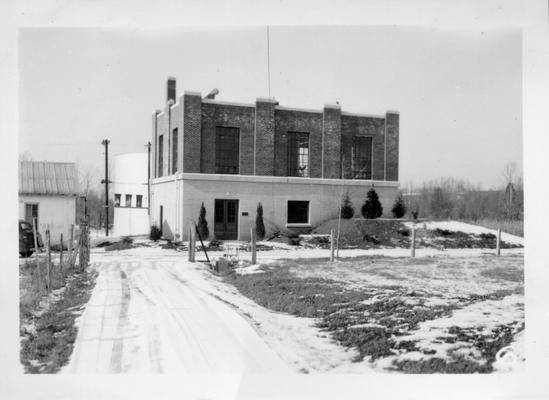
449, 198
94, 205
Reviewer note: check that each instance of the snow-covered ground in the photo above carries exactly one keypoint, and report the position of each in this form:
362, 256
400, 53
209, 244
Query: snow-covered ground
465, 228
153, 311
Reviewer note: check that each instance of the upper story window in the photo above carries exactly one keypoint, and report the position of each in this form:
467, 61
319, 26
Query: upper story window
362, 157
227, 150
117, 199
160, 154
174, 150
298, 154
128, 200
139, 200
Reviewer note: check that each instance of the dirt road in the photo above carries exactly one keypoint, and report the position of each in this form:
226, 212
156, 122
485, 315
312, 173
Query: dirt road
147, 315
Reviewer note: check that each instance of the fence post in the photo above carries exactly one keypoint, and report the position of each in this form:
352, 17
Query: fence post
332, 245
48, 260
192, 244
71, 244
252, 232
498, 243
61, 254
36, 252
413, 244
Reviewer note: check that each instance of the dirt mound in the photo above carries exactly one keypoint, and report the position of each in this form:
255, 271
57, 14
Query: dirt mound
367, 233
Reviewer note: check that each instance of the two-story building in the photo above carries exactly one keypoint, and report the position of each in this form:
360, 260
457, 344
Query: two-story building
297, 162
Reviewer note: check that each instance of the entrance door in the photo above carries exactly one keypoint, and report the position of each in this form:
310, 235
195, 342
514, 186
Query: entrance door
226, 219
161, 221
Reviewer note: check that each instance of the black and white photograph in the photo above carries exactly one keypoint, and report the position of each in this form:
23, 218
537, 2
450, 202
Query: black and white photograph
341, 202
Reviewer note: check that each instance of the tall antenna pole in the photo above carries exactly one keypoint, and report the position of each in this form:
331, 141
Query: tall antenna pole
268, 62
105, 143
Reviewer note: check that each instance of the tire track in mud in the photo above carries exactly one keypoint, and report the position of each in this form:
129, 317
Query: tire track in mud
118, 345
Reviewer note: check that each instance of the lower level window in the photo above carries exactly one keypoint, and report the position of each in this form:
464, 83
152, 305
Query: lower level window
298, 212
117, 199
128, 200
139, 200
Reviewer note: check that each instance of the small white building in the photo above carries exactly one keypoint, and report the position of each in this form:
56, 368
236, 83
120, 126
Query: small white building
47, 192
131, 200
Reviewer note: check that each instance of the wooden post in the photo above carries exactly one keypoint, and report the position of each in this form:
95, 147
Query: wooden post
61, 254
192, 244
48, 248
413, 244
190, 241
36, 252
498, 243
252, 232
332, 245
71, 244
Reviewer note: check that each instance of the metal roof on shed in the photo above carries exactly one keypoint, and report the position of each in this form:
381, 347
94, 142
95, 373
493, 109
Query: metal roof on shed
42, 177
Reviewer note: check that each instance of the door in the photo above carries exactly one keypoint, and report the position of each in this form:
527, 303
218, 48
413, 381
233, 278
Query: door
161, 220
226, 219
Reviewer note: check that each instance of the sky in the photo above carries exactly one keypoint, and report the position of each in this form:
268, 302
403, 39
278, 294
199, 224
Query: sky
458, 93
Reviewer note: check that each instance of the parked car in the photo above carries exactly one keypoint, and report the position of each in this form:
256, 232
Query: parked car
26, 239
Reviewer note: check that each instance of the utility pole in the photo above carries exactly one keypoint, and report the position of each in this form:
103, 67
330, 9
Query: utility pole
149, 178
105, 143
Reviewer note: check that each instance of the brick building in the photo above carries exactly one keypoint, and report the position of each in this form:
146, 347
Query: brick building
296, 162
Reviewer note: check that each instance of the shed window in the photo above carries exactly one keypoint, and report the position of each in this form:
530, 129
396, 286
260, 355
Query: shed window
128, 200
298, 212
298, 154
117, 199
31, 211
362, 157
139, 200
227, 150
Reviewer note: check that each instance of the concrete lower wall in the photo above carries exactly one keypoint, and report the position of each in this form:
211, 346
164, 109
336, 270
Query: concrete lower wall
273, 192
55, 213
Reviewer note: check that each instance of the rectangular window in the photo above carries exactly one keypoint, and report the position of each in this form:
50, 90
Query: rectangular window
227, 150
362, 157
139, 200
160, 154
298, 154
174, 151
128, 200
298, 212
117, 199
31, 211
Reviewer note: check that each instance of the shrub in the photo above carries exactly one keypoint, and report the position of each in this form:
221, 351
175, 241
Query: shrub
399, 208
259, 225
372, 207
155, 233
347, 210
202, 225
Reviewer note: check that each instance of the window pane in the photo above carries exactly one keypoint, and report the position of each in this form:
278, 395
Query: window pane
362, 157
160, 154
174, 150
117, 200
298, 154
298, 212
128, 200
227, 152
139, 200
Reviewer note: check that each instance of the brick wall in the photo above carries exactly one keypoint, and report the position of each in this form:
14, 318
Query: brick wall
364, 126
192, 131
298, 121
392, 129
216, 114
331, 142
264, 137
